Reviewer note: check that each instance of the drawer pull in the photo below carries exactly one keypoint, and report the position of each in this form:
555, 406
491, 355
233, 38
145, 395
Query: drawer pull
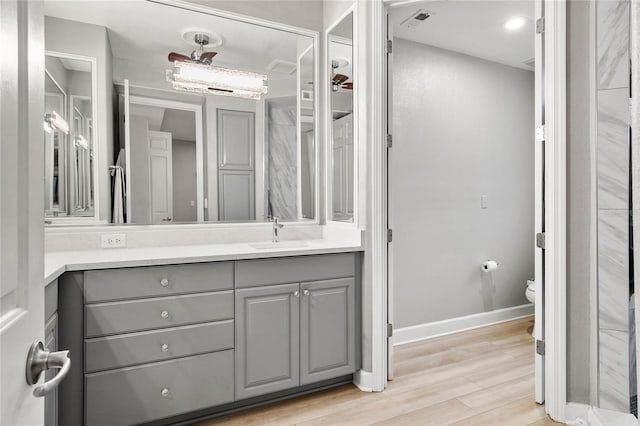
165, 392
164, 314
306, 292
296, 293
165, 347
164, 282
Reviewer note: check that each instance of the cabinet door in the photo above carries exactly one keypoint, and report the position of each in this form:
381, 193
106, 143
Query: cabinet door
327, 321
267, 339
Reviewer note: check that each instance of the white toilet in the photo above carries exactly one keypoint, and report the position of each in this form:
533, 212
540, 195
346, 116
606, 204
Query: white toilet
530, 292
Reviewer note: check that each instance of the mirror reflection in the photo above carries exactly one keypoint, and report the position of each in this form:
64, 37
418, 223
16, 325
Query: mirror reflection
198, 118
340, 50
68, 136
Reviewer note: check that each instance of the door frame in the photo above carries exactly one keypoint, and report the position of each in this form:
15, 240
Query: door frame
184, 106
555, 190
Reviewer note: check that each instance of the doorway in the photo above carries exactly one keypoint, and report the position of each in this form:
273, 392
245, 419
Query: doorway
163, 153
464, 170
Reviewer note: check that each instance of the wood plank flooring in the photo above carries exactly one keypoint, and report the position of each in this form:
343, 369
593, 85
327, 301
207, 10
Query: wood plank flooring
478, 377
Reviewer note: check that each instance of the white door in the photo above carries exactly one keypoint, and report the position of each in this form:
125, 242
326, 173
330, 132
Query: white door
161, 176
125, 129
21, 206
389, 95
539, 211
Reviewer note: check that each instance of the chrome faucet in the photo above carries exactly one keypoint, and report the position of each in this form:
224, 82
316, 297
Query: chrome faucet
277, 226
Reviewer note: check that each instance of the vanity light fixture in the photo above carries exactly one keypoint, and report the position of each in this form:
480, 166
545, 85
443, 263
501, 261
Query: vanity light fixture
201, 78
81, 142
514, 24
53, 121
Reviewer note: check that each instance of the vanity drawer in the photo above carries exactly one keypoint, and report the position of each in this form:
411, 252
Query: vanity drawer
253, 273
123, 350
149, 281
145, 314
153, 391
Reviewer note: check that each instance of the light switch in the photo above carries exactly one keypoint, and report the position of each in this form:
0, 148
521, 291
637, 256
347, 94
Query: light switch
192, 203
484, 202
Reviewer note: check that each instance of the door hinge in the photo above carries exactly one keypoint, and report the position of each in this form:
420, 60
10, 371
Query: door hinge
389, 235
389, 141
389, 330
541, 133
541, 240
389, 46
539, 25
540, 347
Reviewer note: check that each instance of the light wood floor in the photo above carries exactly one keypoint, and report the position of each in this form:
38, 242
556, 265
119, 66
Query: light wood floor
479, 377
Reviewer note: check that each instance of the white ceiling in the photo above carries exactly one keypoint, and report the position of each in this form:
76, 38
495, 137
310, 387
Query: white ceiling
145, 32
473, 27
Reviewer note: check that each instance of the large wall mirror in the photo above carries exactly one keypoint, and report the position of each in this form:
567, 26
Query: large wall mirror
69, 136
341, 129
186, 117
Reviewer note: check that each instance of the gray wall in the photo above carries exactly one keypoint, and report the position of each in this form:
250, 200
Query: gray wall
580, 200
184, 181
464, 128
139, 151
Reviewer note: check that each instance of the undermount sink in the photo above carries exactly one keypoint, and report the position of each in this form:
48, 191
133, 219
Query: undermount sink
281, 244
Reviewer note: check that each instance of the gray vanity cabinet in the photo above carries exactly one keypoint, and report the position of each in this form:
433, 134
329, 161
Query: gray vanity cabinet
267, 339
296, 334
162, 343
328, 326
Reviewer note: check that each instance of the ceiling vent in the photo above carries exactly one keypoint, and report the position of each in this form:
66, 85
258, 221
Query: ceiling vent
417, 18
282, 67
530, 63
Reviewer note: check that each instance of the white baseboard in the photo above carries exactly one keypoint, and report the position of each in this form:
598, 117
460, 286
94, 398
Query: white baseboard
419, 332
586, 415
363, 380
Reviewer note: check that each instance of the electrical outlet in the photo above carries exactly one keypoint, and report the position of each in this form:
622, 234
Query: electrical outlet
114, 240
484, 202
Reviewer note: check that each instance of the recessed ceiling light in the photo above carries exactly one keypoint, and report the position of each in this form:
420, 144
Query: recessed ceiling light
514, 24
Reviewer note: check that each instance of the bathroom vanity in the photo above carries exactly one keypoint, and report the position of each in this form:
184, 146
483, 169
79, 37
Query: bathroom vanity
173, 343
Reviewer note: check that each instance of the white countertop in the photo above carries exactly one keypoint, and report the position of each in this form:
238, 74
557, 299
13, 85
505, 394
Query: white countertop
56, 263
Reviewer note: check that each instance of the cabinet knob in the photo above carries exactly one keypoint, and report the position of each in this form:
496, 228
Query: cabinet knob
164, 314
165, 392
296, 293
306, 292
165, 347
164, 282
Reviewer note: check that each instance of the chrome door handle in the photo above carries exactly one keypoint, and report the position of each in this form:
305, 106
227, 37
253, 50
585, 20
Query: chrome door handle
164, 282
38, 360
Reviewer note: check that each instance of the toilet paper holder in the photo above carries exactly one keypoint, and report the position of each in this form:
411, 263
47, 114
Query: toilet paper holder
489, 265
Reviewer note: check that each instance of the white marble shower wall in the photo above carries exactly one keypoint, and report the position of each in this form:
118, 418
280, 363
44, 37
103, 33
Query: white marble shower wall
283, 157
613, 159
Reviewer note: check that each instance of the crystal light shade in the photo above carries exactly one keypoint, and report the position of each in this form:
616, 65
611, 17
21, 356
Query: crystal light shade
192, 77
54, 121
81, 142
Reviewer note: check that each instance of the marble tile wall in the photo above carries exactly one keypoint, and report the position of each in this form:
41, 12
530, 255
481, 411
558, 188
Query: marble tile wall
613, 159
283, 157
